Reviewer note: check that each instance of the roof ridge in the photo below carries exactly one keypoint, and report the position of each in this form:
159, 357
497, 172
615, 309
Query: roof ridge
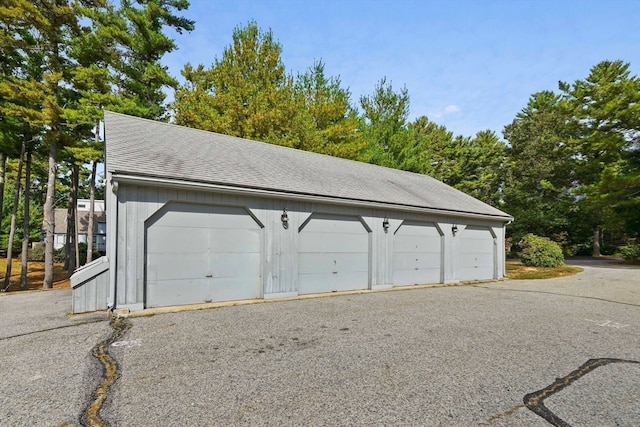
270, 144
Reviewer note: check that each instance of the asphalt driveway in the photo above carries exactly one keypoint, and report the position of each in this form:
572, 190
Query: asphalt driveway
542, 352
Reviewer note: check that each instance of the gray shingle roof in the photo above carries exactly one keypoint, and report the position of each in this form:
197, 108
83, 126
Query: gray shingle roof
61, 221
147, 148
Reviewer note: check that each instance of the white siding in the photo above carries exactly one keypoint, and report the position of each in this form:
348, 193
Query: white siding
280, 259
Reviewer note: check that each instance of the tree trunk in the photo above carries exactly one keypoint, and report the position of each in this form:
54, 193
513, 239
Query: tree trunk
76, 185
71, 251
25, 224
3, 170
90, 225
67, 237
48, 223
596, 242
14, 214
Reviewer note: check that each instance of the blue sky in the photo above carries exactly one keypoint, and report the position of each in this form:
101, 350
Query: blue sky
468, 65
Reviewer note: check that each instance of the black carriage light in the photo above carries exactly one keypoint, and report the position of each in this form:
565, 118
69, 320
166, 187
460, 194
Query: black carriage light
454, 229
385, 224
284, 218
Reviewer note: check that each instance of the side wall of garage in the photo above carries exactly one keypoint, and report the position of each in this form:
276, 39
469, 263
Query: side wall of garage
284, 251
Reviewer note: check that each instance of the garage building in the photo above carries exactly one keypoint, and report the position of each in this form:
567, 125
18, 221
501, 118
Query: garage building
195, 216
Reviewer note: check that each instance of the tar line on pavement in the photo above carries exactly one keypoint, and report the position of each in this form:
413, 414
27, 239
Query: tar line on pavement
110, 373
535, 401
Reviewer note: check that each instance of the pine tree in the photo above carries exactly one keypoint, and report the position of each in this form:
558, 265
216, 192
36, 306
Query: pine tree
138, 29
246, 93
605, 142
384, 123
326, 122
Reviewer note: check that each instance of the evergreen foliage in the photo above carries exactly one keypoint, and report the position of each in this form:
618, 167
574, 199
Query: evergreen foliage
384, 123
538, 170
246, 93
63, 61
604, 125
567, 169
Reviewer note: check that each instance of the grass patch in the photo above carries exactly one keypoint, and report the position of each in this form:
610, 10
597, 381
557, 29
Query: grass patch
35, 275
518, 271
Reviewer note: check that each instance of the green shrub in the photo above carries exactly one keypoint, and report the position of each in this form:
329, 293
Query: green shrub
608, 250
631, 253
82, 248
58, 255
540, 252
16, 249
586, 249
36, 253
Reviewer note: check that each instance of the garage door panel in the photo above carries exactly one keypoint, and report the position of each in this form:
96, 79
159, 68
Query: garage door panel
350, 280
421, 277
477, 273
328, 263
193, 250
234, 288
180, 218
476, 254
323, 242
408, 261
177, 292
327, 282
333, 255
234, 240
176, 266
477, 246
417, 254
410, 244
241, 265
177, 239
476, 260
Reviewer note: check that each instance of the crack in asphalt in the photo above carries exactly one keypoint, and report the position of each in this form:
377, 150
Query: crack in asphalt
500, 415
555, 293
110, 373
52, 329
535, 401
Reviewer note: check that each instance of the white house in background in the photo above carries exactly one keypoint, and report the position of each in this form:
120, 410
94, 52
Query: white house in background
99, 225
196, 217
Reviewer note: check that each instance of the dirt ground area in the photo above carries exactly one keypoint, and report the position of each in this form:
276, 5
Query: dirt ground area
35, 276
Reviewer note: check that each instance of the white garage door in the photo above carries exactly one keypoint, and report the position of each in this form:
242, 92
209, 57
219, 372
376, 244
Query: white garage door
201, 253
477, 254
333, 255
417, 254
